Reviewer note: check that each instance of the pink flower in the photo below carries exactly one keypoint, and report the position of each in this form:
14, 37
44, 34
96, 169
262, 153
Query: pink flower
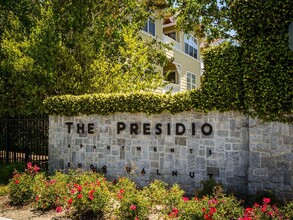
52, 181
79, 196
72, 191
37, 198
70, 201
266, 200
36, 168
91, 197
121, 191
59, 209
133, 207
185, 199
212, 201
29, 165
256, 205
119, 196
136, 218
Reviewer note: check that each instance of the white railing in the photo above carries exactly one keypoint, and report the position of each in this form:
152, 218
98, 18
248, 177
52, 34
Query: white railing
169, 40
171, 87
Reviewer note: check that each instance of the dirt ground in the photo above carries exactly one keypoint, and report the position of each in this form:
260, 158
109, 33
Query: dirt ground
28, 213
25, 212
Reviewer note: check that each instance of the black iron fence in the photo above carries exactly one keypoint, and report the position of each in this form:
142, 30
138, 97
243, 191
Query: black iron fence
24, 139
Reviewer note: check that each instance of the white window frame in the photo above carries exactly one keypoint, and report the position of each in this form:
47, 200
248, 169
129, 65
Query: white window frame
190, 85
191, 42
146, 28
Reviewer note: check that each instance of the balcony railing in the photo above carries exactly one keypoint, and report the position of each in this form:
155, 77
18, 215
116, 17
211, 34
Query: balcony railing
169, 40
171, 87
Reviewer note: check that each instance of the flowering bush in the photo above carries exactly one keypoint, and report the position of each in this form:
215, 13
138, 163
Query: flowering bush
49, 193
80, 193
263, 211
86, 193
130, 202
21, 185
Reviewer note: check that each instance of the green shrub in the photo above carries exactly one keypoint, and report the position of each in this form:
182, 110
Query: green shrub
4, 190
130, 202
6, 171
49, 193
87, 193
287, 210
208, 188
21, 185
259, 195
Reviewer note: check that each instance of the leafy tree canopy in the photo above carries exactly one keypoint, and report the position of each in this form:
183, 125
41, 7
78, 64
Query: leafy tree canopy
55, 47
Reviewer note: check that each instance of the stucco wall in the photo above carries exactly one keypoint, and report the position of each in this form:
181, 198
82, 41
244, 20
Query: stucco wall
242, 153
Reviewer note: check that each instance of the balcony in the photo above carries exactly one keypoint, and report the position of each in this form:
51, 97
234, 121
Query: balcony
171, 87
169, 40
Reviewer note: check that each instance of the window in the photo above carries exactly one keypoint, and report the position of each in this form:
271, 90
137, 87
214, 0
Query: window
171, 35
150, 27
172, 77
191, 81
190, 46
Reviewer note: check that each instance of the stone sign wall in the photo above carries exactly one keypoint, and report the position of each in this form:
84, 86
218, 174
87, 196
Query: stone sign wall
184, 148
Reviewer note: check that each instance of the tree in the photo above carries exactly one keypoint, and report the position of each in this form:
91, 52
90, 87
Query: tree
74, 47
262, 61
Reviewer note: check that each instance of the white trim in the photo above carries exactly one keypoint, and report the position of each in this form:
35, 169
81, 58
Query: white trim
195, 84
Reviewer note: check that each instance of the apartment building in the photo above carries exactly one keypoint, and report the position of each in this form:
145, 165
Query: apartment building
185, 70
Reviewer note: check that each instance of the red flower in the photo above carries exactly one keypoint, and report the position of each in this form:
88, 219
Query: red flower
196, 199
37, 198
79, 196
72, 191
79, 188
132, 207
248, 210
212, 210
203, 209
59, 209
207, 217
263, 208
185, 199
122, 191
70, 201
256, 205
270, 213
52, 181
174, 209
136, 218
91, 192
91, 197
16, 182
266, 200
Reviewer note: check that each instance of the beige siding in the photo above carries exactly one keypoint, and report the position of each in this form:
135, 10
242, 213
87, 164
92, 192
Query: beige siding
188, 63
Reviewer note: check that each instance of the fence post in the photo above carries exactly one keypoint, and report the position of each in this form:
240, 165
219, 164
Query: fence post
7, 140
